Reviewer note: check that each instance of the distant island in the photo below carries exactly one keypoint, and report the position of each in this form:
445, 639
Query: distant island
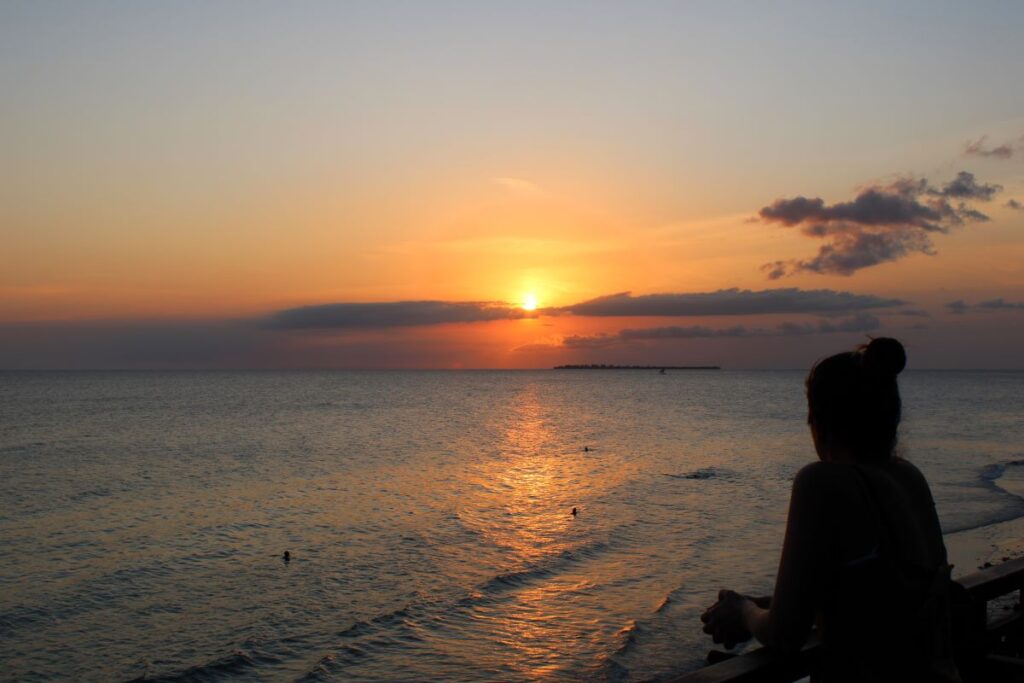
596, 366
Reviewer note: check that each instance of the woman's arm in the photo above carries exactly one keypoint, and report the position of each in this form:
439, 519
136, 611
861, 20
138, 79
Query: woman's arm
786, 620
804, 564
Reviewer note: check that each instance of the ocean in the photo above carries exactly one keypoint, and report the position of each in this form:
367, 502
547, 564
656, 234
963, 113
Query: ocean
143, 516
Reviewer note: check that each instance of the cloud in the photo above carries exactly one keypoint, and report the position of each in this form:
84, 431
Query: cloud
862, 322
1004, 151
1000, 305
731, 302
958, 307
596, 341
690, 332
368, 316
391, 314
1014, 204
964, 186
880, 224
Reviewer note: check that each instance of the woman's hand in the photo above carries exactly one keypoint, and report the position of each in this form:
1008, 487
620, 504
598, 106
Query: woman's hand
726, 621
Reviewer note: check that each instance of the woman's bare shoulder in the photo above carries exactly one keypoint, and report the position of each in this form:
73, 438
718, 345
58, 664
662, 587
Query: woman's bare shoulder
912, 478
824, 477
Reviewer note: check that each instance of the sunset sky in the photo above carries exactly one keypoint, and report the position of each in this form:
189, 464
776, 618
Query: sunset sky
386, 184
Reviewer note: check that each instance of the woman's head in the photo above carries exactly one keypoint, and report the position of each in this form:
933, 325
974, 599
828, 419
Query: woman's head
854, 403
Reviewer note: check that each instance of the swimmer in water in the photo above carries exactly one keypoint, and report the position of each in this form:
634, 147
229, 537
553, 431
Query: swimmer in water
287, 557
586, 449
573, 512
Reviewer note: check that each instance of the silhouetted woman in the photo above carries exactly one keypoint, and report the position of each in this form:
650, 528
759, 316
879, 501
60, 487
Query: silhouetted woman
863, 557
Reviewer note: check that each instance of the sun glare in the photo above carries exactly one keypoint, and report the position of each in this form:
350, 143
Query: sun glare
530, 302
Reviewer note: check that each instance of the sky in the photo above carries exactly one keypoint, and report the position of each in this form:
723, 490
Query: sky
509, 184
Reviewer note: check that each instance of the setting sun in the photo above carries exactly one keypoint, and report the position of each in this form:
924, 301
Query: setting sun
530, 302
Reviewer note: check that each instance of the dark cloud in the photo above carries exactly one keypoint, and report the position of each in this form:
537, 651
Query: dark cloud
913, 313
880, 224
391, 314
861, 322
871, 207
688, 332
731, 302
1001, 305
775, 269
1014, 204
721, 302
1004, 151
595, 341
964, 186
959, 306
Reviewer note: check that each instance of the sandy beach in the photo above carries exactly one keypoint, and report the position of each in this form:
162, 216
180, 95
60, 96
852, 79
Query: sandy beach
970, 549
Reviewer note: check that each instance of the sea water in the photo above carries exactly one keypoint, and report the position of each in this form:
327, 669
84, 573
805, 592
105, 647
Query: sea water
143, 516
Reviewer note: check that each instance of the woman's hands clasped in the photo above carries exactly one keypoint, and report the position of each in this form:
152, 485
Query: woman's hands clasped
725, 620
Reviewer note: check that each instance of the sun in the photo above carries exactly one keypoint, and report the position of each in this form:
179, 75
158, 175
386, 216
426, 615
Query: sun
530, 302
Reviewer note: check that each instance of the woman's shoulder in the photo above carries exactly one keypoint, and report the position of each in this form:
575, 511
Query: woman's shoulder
822, 470
823, 477
828, 478
911, 477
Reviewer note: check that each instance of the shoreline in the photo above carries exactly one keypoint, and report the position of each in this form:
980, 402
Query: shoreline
970, 549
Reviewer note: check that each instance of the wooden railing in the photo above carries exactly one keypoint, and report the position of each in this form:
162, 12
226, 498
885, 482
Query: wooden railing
990, 643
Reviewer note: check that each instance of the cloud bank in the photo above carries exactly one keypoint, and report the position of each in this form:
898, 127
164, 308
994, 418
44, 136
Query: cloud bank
960, 306
880, 224
1001, 305
676, 304
392, 314
731, 302
862, 322
379, 334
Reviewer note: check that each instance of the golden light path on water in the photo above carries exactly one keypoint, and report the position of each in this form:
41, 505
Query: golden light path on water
525, 508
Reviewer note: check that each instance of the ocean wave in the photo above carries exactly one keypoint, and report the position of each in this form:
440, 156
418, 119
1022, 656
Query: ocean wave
703, 473
236, 664
362, 628
543, 569
628, 635
368, 638
992, 473
990, 477
23, 447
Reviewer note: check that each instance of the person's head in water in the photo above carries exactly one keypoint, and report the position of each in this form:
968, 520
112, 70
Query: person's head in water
853, 402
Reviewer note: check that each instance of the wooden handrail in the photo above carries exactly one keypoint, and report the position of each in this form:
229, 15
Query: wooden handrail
763, 665
994, 581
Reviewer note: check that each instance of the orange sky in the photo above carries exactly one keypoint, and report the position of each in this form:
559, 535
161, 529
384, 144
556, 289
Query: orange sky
187, 182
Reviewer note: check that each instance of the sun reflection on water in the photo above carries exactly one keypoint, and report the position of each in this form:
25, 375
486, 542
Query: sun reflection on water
537, 476
533, 484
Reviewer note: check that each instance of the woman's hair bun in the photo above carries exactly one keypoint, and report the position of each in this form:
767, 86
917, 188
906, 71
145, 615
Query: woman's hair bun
885, 356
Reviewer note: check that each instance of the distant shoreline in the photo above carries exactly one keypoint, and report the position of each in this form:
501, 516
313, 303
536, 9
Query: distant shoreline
637, 367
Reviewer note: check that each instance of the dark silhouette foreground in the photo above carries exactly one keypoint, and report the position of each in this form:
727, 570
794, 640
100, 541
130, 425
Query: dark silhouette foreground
863, 557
